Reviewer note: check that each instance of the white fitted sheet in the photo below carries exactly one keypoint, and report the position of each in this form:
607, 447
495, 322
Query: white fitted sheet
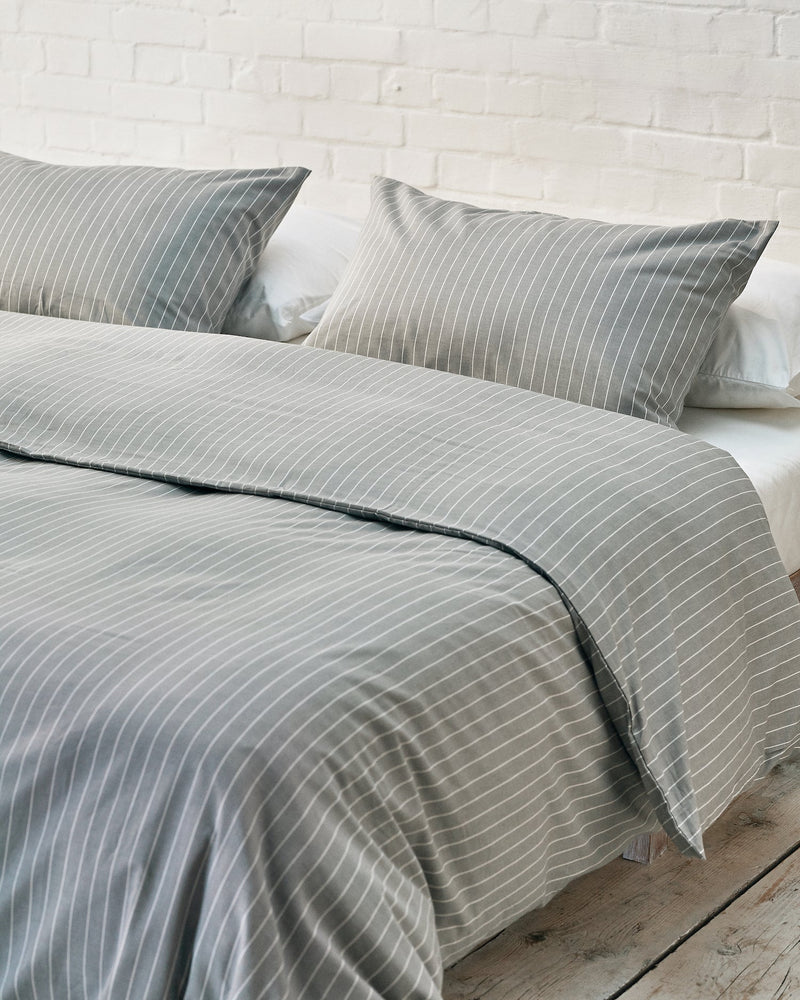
766, 443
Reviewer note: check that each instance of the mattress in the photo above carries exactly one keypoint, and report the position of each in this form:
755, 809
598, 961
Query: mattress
766, 444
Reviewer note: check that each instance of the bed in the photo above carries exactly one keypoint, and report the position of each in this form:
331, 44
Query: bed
319, 666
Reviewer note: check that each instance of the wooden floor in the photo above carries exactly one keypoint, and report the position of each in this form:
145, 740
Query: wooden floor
727, 928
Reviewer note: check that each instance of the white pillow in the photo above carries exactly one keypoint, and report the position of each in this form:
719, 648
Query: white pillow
299, 270
754, 359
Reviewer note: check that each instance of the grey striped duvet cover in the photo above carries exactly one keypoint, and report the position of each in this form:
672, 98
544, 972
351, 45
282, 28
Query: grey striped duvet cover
317, 670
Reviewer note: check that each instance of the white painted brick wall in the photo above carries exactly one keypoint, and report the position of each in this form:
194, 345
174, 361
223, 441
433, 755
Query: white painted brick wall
673, 110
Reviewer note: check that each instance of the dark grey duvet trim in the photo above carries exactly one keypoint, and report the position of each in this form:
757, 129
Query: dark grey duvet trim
594, 501
149, 246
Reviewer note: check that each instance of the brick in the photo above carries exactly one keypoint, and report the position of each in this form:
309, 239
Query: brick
574, 19
306, 153
291, 10
67, 55
357, 163
778, 165
161, 27
686, 198
717, 3
111, 60
657, 27
714, 73
780, 6
686, 154
463, 15
412, 166
533, 57
630, 194
683, 111
253, 112
737, 116
158, 63
458, 92
254, 150
355, 83
563, 59
78, 157
305, 79
204, 146
211, 8
408, 12
518, 97
458, 50
788, 35
785, 123
784, 244
10, 88
788, 211
9, 15
209, 70
654, 69
557, 142
342, 197
23, 54
772, 78
410, 88
257, 36
110, 135
57, 17
21, 129
465, 172
359, 43
468, 133
576, 186
351, 122
156, 103
158, 143
66, 93
254, 75
573, 101
625, 105
745, 201
749, 32
517, 17
356, 10
517, 178
69, 131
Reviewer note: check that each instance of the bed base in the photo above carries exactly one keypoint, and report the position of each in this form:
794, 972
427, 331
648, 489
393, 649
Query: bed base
647, 848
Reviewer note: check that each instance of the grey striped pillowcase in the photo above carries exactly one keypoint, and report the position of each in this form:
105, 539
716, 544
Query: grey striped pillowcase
614, 316
144, 246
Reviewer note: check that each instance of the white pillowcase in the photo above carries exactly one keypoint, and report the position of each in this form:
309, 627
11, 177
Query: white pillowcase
297, 272
754, 359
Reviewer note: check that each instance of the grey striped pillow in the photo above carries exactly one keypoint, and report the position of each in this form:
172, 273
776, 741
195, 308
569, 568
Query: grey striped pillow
614, 316
145, 246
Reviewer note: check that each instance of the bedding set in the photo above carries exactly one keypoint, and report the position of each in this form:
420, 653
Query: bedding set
320, 665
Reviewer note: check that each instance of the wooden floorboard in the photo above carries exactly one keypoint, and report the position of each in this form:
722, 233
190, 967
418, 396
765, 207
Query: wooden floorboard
609, 930
750, 951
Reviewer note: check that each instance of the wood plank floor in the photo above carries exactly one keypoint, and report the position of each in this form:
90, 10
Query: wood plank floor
727, 928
